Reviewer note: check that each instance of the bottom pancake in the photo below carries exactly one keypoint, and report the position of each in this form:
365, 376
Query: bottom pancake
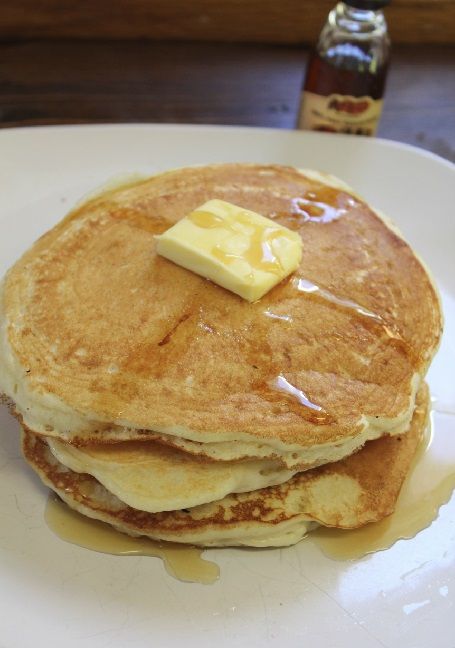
347, 494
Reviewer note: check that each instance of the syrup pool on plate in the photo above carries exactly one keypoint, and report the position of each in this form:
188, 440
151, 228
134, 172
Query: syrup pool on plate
428, 486
184, 562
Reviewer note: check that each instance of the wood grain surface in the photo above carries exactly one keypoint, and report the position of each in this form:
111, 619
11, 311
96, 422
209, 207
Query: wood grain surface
258, 85
266, 21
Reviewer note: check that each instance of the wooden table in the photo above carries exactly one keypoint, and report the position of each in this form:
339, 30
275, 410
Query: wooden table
55, 82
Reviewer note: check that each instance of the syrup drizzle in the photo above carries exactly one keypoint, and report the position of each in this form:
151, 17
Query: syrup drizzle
277, 316
305, 286
317, 211
281, 384
393, 335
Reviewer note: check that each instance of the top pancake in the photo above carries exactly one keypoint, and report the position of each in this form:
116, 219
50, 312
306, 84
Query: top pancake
103, 339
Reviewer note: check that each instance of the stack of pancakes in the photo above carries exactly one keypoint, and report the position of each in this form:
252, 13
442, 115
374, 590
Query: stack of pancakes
167, 406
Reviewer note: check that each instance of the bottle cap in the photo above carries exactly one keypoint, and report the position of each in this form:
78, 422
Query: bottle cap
367, 4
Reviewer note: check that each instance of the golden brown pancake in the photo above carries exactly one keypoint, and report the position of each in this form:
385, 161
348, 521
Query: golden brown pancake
350, 493
153, 477
103, 340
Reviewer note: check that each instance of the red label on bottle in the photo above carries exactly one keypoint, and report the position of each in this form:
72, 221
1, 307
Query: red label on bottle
340, 113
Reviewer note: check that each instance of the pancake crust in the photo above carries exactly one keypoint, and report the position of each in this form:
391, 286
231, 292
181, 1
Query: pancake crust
350, 493
111, 340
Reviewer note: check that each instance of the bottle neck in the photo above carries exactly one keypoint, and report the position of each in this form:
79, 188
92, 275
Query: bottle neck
356, 21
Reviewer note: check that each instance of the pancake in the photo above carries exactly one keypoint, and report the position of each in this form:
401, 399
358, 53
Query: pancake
348, 494
102, 340
152, 477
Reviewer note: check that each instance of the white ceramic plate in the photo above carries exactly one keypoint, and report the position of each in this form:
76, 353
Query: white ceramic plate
56, 594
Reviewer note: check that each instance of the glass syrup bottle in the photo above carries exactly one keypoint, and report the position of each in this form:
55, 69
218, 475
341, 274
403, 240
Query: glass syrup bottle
346, 73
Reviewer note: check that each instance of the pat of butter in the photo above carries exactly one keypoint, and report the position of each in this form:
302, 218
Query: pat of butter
234, 247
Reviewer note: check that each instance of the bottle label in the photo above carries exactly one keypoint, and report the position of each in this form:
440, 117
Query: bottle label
340, 113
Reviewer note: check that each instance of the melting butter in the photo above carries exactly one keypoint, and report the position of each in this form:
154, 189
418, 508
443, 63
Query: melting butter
234, 247
258, 250
181, 561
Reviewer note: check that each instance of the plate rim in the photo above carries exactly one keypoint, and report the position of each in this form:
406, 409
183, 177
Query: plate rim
287, 132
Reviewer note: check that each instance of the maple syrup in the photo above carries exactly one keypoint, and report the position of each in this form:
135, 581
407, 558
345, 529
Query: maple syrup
281, 384
429, 485
346, 74
317, 211
305, 286
184, 562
